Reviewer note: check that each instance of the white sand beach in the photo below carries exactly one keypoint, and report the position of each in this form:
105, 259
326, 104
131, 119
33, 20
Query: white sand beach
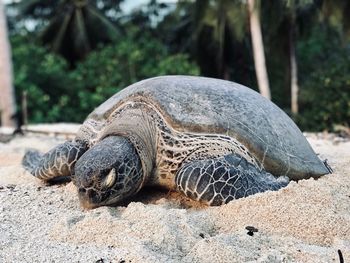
308, 221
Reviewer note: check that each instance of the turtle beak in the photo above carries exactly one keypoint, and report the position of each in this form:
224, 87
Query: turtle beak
88, 198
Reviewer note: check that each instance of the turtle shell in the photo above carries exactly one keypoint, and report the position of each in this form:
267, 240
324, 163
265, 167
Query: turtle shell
206, 105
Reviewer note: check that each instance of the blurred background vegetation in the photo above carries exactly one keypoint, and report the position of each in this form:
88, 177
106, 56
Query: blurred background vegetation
71, 55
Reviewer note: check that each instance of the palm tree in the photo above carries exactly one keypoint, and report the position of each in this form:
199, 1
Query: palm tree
214, 33
258, 49
7, 98
287, 22
289, 10
71, 27
294, 10
294, 86
218, 23
218, 39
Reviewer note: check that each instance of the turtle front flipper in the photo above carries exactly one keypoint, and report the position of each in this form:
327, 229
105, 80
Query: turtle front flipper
57, 163
218, 181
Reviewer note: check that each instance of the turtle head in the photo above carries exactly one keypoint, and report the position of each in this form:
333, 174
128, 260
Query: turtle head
108, 173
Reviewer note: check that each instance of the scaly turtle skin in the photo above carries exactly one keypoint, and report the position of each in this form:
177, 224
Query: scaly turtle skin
210, 139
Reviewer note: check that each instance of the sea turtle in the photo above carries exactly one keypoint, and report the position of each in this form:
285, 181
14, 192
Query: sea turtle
212, 140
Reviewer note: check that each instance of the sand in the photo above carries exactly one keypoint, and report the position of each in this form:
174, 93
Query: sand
308, 221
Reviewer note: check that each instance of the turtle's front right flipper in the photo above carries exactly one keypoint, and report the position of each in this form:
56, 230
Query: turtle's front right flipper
219, 180
58, 162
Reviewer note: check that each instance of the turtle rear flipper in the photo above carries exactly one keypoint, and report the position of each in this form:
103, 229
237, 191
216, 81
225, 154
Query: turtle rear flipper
220, 180
55, 164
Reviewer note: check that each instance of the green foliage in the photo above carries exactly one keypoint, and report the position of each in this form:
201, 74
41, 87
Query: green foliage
45, 78
56, 93
325, 82
114, 67
214, 33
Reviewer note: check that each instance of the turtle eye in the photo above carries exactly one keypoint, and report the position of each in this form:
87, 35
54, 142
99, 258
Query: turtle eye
110, 179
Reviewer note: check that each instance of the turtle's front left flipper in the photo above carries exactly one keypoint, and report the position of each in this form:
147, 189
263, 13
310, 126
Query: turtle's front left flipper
58, 162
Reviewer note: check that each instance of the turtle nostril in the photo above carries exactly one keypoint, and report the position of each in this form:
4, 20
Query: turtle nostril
90, 193
82, 190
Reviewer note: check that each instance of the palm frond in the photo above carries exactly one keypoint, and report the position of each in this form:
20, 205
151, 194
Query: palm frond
111, 29
80, 38
62, 31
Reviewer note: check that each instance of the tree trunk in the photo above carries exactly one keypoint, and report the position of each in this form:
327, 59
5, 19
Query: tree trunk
7, 98
294, 87
258, 50
223, 72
